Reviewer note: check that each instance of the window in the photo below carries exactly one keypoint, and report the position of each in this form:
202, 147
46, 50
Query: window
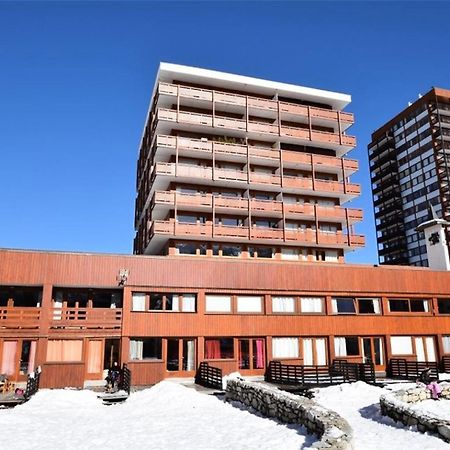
401, 345
138, 302
286, 347
231, 250
218, 303
289, 253
311, 304
368, 305
283, 304
219, 348
145, 349
446, 344
249, 303
343, 305
186, 249
346, 346
64, 350
408, 305
444, 306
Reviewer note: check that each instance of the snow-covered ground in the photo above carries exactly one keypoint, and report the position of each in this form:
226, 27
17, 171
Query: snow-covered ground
358, 404
439, 408
167, 416
171, 416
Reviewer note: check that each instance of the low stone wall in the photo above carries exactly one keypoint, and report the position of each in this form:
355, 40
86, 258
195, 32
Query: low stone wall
396, 405
334, 432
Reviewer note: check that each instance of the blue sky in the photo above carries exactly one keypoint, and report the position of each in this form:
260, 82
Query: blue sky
76, 79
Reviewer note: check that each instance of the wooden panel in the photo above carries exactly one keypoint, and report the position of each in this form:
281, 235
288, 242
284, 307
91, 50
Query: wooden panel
59, 375
146, 373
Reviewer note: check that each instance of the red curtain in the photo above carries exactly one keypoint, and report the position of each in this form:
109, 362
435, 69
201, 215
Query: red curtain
259, 354
212, 349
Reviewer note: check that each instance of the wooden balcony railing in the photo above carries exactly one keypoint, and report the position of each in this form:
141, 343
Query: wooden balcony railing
255, 102
13, 317
304, 134
201, 172
245, 234
244, 205
103, 318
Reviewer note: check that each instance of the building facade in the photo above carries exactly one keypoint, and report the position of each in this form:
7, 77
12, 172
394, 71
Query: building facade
410, 169
73, 314
232, 166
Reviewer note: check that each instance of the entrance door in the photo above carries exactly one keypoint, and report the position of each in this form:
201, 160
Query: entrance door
373, 351
252, 354
112, 353
180, 355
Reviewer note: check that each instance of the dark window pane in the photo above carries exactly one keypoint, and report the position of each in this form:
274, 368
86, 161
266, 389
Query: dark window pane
156, 302
398, 305
186, 248
345, 306
264, 252
352, 346
151, 348
231, 251
444, 306
417, 305
244, 354
172, 362
366, 307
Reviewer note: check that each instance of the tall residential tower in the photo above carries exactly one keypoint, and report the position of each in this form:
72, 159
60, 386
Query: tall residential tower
243, 167
410, 168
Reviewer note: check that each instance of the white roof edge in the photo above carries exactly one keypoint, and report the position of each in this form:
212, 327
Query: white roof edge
338, 98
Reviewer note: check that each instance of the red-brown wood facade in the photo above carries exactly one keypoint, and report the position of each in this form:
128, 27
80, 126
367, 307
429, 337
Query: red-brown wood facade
201, 276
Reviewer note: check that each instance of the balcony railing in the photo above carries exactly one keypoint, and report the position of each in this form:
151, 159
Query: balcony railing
207, 173
14, 317
209, 230
307, 134
273, 155
101, 318
244, 205
254, 102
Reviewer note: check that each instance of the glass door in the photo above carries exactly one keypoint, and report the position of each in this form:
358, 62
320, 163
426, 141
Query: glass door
373, 351
251, 354
180, 355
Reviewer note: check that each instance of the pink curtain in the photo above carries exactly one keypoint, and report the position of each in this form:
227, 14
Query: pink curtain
94, 357
212, 349
9, 357
69, 350
259, 354
32, 356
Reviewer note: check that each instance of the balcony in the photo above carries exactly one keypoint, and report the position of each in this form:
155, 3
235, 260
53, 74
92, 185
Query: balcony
264, 155
245, 234
100, 319
19, 318
169, 200
304, 136
289, 109
269, 182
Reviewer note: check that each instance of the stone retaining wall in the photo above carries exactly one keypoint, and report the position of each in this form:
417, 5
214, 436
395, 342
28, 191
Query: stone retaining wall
395, 405
334, 432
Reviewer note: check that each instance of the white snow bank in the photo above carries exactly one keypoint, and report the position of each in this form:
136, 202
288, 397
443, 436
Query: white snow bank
358, 404
433, 408
167, 416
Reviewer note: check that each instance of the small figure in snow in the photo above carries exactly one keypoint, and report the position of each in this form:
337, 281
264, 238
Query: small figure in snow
430, 383
113, 378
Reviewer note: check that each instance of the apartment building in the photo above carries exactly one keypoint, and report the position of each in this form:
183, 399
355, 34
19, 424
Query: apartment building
233, 166
410, 169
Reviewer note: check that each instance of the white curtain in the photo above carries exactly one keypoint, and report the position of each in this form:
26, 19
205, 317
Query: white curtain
218, 303
376, 306
138, 302
425, 307
446, 343
249, 303
420, 350
57, 304
285, 347
175, 303
188, 302
308, 359
311, 304
401, 345
331, 255
190, 362
283, 304
340, 347
334, 305
321, 352
429, 343
136, 349
288, 253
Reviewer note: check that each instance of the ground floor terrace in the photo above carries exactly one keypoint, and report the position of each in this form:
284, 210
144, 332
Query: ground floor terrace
75, 314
